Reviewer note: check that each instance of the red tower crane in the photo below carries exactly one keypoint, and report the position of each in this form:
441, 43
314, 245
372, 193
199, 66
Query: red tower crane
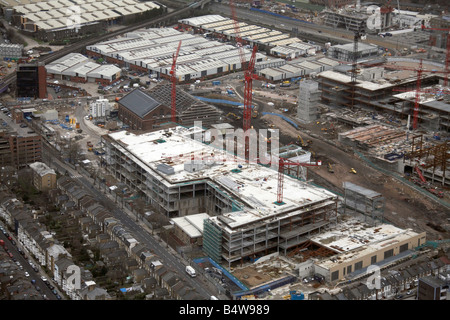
281, 165
248, 77
173, 78
420, 70
447, 55
248, 90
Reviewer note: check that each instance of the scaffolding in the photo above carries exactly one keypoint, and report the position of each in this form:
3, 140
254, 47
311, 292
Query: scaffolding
433, 159
212, 240
368, 202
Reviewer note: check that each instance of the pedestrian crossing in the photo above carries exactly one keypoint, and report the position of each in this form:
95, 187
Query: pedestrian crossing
76, 176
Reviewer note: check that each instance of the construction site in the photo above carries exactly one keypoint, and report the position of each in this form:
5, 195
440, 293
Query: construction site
355, 173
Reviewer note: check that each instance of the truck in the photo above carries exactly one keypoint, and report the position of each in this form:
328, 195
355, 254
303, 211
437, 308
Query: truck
190, 271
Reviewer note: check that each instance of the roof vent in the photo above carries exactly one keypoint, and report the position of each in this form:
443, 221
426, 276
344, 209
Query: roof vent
164, 168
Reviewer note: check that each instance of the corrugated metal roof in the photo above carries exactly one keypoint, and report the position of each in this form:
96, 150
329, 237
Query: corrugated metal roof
139, 102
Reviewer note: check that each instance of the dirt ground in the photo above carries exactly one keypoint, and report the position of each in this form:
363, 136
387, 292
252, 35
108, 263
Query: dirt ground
404, 207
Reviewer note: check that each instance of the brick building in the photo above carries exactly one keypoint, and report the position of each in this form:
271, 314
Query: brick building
18, 151
31, 80
148, 110
44, 178
141, 111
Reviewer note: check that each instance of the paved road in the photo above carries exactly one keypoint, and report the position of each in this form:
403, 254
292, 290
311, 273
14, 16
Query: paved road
319, 33
44, 289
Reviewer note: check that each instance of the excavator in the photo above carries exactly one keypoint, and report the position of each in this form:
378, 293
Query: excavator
302, 143
234, 115
330, 168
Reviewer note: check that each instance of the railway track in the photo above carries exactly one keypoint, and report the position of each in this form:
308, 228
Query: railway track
9, 79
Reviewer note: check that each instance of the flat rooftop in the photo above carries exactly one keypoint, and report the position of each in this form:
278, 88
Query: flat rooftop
352, 239
252, 186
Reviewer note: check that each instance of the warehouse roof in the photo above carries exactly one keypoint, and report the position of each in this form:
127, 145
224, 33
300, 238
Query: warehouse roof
192, 224
76, 64
353, 240
139, 102
59, 14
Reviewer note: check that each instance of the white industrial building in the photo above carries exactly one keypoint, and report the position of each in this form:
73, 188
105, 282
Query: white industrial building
78, 68
299, 68
10, 50
151, 51
60, 19
344, 52
217, 26
100, 108
293, 50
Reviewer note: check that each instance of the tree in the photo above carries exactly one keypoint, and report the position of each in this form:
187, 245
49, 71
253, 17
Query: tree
74, 152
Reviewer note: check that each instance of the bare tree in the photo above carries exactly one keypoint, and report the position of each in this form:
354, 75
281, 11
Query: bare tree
74, 153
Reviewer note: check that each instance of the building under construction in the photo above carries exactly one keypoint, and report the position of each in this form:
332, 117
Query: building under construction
168, 169
368, 202
379, 18
429, 161
378, 88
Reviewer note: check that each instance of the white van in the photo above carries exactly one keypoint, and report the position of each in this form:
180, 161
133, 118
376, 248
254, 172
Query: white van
190, 271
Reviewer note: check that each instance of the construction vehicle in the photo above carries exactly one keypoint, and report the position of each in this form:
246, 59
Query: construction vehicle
296, 79
330, 168
352, 170
436, 192
302, 143
233, 115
